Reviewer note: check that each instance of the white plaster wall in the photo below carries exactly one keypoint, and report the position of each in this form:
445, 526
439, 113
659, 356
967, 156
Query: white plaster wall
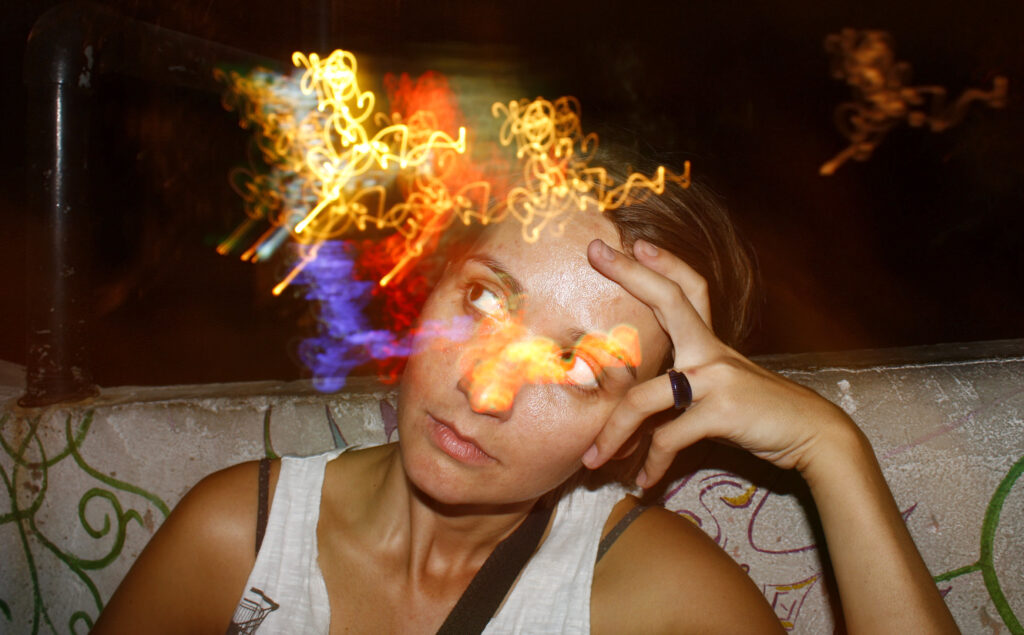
949, 434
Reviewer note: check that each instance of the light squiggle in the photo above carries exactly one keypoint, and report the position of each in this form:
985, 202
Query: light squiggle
557, 174
329, 174
334, 162
884, 98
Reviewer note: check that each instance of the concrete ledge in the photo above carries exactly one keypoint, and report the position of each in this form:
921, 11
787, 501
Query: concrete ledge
87, 484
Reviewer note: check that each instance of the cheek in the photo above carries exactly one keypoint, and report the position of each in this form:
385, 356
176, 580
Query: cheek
427, 374
554, 428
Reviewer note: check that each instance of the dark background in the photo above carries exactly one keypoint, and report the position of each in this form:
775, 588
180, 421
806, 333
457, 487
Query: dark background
921, 244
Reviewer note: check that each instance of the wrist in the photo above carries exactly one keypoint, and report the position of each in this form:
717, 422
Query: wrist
841, 451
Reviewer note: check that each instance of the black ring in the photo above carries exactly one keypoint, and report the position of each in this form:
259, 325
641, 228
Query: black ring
682, 394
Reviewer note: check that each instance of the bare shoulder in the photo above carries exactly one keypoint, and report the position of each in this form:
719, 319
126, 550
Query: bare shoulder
666, 575
191, 574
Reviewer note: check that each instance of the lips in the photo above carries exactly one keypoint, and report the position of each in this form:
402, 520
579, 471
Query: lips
460, 448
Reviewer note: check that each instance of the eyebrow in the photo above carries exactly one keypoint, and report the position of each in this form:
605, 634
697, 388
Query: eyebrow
503, 274
518, 292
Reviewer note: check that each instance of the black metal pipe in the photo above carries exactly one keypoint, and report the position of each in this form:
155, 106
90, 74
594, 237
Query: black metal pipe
58, 236
68, 48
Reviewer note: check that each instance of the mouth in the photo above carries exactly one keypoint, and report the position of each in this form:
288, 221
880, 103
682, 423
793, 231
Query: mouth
462, 449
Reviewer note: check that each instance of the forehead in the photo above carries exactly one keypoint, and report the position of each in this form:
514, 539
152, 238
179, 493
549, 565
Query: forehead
563, 293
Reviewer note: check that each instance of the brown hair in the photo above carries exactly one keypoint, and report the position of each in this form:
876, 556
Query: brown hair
692, 224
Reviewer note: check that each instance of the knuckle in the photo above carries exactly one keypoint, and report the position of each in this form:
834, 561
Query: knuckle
728, 403
660, 442
636, 399
700, 286
616, 428
726, 373
678, 295
726, 368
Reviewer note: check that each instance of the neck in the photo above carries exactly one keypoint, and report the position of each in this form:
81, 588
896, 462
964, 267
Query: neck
427, 537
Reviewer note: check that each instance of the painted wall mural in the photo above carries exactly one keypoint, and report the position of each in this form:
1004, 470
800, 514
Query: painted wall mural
728, 507
985, 564
104, 511
85, 487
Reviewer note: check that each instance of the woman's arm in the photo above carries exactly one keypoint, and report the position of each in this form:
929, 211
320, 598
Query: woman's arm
883, 582
665, 575
192, 573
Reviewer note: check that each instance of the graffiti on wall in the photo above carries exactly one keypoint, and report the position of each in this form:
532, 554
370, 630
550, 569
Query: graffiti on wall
985, 564
730, 509
105, 509
47, 481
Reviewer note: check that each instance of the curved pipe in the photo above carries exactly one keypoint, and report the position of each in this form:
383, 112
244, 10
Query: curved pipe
68, 48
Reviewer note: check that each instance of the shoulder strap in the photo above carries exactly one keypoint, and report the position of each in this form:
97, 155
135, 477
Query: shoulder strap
621, 526
264, 495
490, 585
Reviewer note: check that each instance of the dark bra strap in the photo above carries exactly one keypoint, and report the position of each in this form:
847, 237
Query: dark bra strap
490, 585
621, 526
264, 495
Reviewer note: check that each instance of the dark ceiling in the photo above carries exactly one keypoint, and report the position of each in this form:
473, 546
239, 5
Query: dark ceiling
921, 244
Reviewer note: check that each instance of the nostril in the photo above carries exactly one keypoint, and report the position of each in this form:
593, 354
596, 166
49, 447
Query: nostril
489, 379
490, 391
492, 398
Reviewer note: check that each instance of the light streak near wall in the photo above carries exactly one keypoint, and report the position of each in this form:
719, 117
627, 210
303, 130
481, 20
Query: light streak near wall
884, 98
557, 174
333, 162
312, 136
333, 352
329, 173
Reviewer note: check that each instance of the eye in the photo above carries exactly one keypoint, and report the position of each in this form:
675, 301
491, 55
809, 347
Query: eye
579, 372
484, 300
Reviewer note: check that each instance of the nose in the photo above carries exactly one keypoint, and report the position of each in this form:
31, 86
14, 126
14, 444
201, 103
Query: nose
488, 390
498, 360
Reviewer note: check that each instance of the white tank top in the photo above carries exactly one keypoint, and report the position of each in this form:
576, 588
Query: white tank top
286, 594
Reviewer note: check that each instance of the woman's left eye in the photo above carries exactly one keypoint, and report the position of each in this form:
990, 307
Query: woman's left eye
484, 300
580, 373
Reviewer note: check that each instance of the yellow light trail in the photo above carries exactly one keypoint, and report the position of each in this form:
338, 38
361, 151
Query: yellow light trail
333, 159
328, 159
557, 175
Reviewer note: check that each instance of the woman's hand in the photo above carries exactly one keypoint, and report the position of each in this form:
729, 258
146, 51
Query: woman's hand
882, 580
733, 399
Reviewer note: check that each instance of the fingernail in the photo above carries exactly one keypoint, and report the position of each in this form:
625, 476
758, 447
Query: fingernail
646, 248
590, 455
641, 479
606, 252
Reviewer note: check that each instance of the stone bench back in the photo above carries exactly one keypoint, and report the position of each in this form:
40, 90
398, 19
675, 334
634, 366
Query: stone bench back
86, 485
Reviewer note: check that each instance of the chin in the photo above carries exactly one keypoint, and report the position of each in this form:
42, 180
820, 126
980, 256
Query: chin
431, 474
447, 483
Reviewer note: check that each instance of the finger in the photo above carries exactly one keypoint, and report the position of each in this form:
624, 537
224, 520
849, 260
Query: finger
640, 402
679, 271
665, 297
712, 415
668, 440
629, 447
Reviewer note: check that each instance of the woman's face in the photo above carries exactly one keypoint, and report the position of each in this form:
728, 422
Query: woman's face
459, 445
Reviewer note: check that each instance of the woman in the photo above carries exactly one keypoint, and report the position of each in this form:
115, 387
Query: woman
391, 536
